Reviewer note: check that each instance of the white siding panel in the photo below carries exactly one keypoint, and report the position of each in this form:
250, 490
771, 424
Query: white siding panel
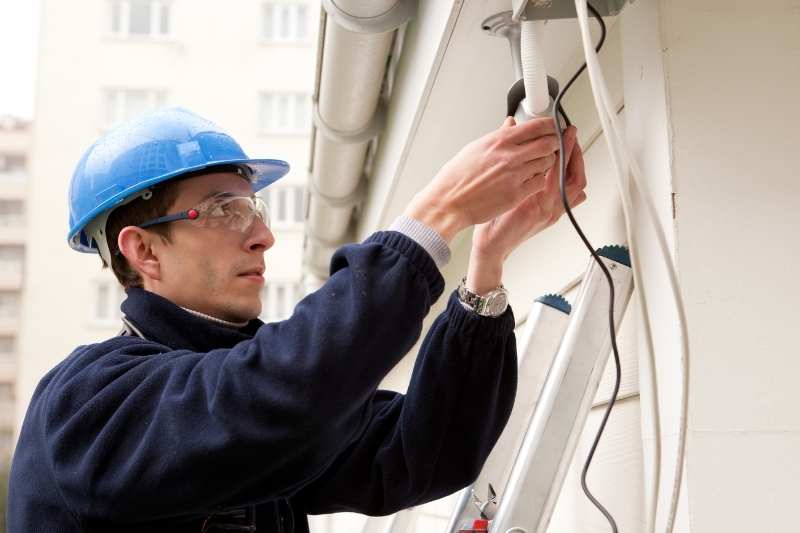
615, 475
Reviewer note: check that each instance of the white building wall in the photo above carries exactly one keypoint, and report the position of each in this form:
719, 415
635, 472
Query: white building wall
728, 77
709, 102
216, 61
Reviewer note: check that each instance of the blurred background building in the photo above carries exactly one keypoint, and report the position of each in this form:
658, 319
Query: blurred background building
119, 59
15, 143
248, 66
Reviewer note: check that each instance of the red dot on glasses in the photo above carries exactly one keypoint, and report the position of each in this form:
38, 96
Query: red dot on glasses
192, 214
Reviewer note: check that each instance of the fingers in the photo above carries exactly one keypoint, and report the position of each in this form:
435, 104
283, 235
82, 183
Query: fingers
508, 122
575, 176
536, 182
541, 147
542, 153
538, 166
532, 129
576, 168
570, 138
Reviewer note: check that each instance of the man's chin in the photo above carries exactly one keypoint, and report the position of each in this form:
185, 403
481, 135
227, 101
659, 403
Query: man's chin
237, 309
243, 315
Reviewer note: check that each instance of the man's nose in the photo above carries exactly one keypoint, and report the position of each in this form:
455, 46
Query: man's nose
259, 237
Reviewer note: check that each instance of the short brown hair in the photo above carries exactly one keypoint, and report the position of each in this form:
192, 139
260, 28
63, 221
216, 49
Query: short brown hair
133, 214
140, 210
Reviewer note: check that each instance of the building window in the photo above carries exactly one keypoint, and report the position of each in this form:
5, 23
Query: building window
284, 22
12, 162
6, 392
12, 213
139, 17
8, 347
9, 305
120, 105
13, 167
285, 113
12, 259
107, 297
279, 299
6, 439
286, 205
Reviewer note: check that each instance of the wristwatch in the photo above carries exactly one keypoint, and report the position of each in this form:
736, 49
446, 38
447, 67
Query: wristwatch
493, 303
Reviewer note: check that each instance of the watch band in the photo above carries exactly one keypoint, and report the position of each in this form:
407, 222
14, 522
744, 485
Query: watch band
493, 303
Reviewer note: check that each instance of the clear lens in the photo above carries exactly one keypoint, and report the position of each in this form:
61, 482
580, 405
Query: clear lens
235, 213
262, 211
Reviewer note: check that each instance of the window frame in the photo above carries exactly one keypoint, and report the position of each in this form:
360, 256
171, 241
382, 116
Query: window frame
298, 124
157, 98
114, 297
10, 386
291, 34
18, 219
13, 174
157, 10
292, 294
289, 192
10, 356
15, 268
16, 295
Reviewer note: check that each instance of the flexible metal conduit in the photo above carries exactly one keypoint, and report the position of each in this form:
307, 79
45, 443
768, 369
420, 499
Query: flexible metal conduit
356, 38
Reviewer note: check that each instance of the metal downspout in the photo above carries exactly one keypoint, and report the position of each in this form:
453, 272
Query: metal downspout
357, 38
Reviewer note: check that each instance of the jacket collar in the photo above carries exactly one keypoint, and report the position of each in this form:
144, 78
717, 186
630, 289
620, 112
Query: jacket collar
160, 320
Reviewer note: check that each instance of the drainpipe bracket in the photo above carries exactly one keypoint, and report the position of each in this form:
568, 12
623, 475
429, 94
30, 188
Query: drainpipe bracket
361, 135
318, 273
328, 248
337, 201
396, 16
322, 242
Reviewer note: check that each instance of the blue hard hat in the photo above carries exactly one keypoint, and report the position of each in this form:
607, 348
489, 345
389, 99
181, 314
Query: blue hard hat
152, 149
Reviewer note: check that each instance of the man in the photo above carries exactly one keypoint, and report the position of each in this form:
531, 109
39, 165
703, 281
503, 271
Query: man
199, 417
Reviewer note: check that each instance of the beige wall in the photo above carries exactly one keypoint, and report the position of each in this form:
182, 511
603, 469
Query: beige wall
710, 109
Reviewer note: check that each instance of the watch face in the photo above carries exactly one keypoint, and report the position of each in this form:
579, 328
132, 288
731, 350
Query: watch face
497, 303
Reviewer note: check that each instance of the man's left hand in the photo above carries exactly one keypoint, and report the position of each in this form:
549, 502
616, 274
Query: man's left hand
493, 241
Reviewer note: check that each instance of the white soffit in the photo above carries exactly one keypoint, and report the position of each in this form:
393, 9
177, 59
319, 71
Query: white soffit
459, 97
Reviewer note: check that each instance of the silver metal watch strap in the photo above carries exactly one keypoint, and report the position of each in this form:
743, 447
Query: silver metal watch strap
477, 303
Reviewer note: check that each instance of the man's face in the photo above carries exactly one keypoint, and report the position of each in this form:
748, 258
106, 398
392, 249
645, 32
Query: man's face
218, 271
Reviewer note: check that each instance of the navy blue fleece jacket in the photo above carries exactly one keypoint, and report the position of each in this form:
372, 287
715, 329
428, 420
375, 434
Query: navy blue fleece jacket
198, 424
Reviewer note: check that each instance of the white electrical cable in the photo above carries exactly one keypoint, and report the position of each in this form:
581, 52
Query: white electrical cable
655, 416
534, 70
620, 164
620, 154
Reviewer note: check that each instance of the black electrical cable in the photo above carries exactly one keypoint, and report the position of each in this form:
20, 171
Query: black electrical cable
562, 183
564, 115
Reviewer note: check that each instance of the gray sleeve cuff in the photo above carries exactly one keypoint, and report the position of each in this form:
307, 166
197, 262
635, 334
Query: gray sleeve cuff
432, 242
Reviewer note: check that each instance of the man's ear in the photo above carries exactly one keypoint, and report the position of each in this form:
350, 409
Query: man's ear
136, 244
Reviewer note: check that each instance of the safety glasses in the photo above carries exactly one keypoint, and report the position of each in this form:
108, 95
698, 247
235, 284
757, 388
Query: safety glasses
232, 212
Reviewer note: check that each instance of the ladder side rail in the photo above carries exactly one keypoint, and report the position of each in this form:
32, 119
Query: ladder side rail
538, 344
560, 415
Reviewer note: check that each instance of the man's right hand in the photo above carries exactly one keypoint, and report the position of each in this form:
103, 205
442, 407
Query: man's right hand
487, 177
